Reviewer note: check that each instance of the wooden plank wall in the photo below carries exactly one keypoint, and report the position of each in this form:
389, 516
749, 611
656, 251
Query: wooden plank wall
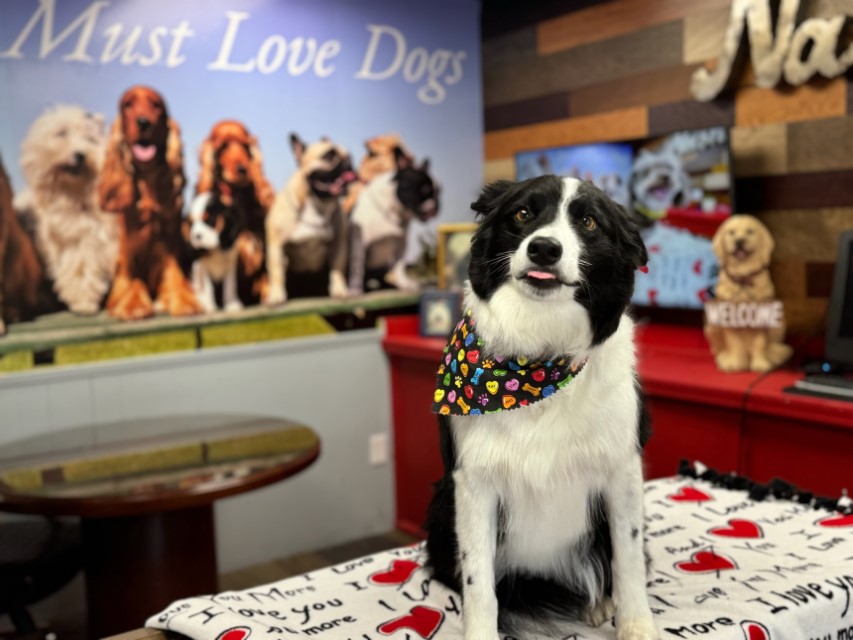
620, 70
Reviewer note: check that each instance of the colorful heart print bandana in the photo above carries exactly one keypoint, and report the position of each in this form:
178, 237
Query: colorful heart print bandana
472, 384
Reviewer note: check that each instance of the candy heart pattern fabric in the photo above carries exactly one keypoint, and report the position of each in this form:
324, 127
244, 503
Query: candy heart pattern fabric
723, 567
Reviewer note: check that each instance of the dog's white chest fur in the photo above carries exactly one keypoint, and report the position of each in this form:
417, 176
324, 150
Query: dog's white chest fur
313, 223
378, 212
547, 460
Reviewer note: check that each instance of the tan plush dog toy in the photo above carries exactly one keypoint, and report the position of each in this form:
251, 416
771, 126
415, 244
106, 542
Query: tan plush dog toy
743, 246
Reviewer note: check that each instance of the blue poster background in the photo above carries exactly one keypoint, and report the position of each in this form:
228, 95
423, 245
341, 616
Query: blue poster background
38, 68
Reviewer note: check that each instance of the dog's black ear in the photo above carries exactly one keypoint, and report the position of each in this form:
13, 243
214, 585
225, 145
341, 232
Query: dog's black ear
425, 165
632, 241
402, 159
491, 196
298, 146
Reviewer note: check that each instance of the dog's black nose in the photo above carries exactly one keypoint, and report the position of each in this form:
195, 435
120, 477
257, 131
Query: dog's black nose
739, 243
143, 123
79, 158
241, 170
544, 251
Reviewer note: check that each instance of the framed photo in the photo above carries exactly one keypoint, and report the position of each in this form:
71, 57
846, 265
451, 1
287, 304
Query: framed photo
454, 252
439, 311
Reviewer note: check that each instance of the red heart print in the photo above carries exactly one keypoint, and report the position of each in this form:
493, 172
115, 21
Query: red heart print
739, 529
473, 356
235, 633
837, 521
398, 572
690, 494
539, 375
754, 630
705, 562
469, 391
697, 267
424, 621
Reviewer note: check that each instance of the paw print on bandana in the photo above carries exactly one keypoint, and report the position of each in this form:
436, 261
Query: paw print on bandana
555, 374
488, 364
483, 399
458, 381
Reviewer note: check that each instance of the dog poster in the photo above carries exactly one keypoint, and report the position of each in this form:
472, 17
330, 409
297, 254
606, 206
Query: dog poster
187, 161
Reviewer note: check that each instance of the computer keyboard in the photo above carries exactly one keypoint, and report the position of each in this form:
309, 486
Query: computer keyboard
833, 385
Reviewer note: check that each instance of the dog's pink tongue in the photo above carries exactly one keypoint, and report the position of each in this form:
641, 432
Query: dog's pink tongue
541, 275
143, 153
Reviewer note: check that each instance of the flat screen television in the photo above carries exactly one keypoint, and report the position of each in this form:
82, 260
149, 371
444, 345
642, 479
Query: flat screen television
679, 188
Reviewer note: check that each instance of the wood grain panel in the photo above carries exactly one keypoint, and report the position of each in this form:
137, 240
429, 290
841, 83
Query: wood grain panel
513, 80
530, 111
818, 99
819, 279
805, 316
625, 124
516, 45
690, 114
650, 88
807, 235
760, 151
789, 278
795, 191
703, 35
499, 169
820, 145
613, 19
850, 98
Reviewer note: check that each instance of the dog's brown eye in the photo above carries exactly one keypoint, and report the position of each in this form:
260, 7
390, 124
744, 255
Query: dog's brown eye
523, 215
589, 223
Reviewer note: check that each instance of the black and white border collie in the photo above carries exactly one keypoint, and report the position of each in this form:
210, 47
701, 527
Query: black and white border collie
539, 515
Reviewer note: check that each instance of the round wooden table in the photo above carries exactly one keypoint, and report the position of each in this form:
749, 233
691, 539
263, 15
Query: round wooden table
144, 490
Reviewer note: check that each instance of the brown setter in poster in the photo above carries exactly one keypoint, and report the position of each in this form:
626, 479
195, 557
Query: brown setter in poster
20, 269
232, 171
143, 179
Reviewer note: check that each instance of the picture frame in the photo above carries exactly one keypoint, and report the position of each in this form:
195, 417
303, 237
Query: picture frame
439, 311
453, 253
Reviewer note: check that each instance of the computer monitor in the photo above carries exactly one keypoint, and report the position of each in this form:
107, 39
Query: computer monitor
839, 325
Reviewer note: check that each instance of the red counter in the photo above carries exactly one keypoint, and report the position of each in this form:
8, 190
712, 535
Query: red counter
733, 422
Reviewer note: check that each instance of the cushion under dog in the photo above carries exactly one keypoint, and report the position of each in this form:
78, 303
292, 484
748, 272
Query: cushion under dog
723, 567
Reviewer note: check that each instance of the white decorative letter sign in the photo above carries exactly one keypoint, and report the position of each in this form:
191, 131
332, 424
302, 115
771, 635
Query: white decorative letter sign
797, 51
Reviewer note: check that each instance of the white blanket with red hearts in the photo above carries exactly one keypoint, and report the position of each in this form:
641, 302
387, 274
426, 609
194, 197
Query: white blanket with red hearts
723, 567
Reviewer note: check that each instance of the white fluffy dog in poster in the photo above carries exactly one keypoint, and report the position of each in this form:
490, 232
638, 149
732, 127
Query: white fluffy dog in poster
61, 158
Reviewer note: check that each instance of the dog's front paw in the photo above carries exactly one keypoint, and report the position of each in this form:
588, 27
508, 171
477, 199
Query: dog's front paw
637, 629
728, 361
600, 613
234, 305
84, 308
275, 297
131, 302
338, 286
179, 300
